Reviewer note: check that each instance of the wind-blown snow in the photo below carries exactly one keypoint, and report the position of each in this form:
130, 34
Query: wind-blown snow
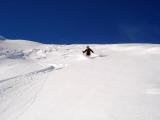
57, 82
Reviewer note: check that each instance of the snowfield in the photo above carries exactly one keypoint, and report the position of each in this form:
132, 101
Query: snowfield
57, 82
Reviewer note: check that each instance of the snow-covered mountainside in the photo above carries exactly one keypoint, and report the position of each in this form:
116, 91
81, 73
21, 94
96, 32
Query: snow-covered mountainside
57, 82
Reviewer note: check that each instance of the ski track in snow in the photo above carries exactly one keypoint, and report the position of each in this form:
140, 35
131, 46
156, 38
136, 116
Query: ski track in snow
20, 92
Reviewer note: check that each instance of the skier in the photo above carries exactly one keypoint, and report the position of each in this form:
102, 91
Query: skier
88, 51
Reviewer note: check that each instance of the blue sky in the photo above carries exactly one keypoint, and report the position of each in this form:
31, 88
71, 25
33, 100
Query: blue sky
81, 21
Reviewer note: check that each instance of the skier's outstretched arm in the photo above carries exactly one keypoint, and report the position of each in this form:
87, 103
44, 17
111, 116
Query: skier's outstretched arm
92, 51
84, 51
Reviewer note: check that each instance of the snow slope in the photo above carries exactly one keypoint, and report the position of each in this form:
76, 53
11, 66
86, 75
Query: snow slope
57, 82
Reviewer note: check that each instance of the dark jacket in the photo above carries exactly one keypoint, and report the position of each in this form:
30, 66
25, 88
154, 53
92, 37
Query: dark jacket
88, 51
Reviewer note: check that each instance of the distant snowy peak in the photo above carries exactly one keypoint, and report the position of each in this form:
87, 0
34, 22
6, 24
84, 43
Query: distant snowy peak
24, 49
17, 48
19, 44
